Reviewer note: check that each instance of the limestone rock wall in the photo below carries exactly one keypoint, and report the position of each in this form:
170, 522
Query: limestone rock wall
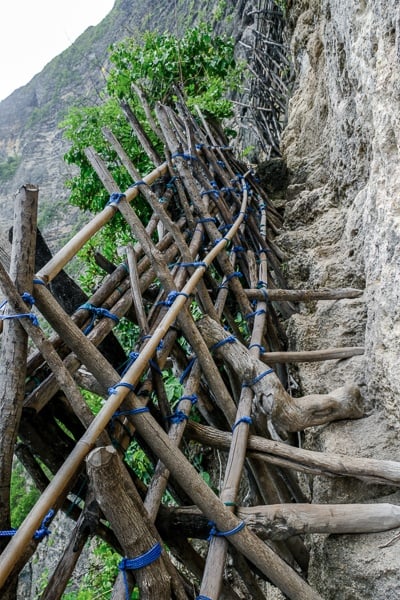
342, 229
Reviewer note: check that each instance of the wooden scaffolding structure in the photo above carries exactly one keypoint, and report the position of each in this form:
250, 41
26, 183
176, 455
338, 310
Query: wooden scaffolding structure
203, 282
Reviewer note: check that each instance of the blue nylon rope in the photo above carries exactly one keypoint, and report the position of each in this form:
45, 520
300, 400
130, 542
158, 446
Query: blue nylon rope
113, 389
215, 533
171, 298
192, 264
260, 311
38, 281
177, 417
191, 397
40, 533
184, 155
210, 192
247, 420
30, 316
257, 379
132, 564
201, 597
115, 198
207, 220
187, 370
96, 314
133, 411
228, 340
261, 348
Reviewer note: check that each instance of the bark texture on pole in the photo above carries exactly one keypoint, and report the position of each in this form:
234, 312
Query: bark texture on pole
287, 413
13, 354
123, 508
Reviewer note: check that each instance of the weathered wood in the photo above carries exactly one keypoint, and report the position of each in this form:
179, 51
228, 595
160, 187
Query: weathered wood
311, 355
281, 521
276, 295
385, 472
61, 374
85, 527
14, 346
287, 413
121, 504
135, 290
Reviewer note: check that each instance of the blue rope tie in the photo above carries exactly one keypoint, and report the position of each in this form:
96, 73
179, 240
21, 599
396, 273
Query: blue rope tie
155, 366
171, 298
132, 564
115, 198
191, 397
97, 313
43, 531
223, 239
131, 359
40, 533
221, 163
228, 340
257, 379
237, 249
228, 278
177, 417
201, 597
113, 389
261, 348
247, 420
184, 155
30, 316
261, 284
133, 411
38, 281
225, 228
171, 183
260, 311
207, 220
215, 533
210, 192
187, 370
28, 299
192, 264
138, 183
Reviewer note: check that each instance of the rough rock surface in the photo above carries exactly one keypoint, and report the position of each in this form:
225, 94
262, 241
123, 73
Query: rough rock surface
342, 229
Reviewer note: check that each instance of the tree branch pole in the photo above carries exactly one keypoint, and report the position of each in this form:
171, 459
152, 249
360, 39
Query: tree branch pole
384, 472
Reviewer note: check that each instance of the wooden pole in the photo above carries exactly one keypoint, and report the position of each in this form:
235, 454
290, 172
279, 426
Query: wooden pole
303, 295
13, 354
385, 472
59, 260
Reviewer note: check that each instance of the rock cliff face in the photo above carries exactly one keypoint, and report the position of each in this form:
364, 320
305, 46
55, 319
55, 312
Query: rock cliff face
342, 228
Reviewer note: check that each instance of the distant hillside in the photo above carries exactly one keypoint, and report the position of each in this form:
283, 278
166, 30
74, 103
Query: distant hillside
31, 143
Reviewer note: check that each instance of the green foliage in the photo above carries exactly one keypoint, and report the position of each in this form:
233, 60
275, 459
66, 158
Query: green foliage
9, 167
200, 64
23, 495
100, 576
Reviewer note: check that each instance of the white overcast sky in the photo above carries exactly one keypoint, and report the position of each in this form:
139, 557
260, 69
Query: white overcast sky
32, 32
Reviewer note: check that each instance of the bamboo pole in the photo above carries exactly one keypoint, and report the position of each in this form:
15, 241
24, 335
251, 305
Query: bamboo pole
59, 260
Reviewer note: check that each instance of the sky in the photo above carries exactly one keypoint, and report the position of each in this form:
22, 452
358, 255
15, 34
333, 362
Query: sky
32, 32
